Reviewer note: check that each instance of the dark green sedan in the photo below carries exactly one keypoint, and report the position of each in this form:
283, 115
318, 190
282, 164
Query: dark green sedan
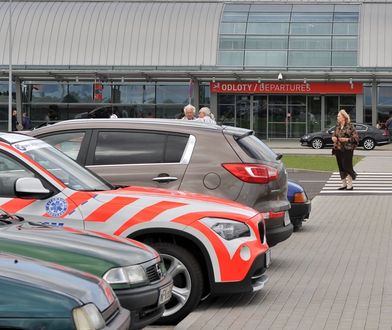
134, 270
41, 295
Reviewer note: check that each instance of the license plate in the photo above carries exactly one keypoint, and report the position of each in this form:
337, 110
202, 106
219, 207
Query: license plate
165, 294
268, 258
286, 219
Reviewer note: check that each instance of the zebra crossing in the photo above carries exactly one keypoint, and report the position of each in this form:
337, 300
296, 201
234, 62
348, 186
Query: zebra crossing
365, 183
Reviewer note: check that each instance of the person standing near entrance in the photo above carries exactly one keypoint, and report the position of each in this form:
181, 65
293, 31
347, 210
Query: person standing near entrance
15, 122
345, 139
206, 116
189, 112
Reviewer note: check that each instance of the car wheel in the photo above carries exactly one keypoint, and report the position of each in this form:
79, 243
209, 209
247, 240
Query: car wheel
369, 144
317, 143
187, 281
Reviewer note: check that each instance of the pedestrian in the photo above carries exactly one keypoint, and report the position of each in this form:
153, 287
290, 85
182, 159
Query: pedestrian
206, 116
345, 140
189, 112
14, 121
26, 121
388, 124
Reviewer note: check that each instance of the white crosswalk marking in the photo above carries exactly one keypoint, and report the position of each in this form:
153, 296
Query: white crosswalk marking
365, 183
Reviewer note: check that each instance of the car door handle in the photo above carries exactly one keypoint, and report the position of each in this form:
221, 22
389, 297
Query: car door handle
164, 179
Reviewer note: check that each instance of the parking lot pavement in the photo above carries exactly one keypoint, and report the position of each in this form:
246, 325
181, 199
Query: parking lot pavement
333, 274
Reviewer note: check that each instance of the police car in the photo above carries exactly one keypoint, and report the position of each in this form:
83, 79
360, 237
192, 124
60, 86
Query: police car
208, 244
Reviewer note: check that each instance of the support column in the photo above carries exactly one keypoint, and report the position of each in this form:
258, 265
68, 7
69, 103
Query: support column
195, 95
374, 102
359, 108
322, 112
214, 104
18, 99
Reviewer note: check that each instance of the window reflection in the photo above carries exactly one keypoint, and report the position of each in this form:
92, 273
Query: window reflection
309, 29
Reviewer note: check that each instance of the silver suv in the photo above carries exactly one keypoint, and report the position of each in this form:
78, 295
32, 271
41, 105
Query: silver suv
222, 161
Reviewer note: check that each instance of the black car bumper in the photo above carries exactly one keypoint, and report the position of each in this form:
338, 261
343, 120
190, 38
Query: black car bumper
143, 303
254, 280
299, 212
278, 230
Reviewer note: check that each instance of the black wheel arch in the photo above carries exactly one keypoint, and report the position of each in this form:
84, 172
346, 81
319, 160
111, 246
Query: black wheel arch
187, 241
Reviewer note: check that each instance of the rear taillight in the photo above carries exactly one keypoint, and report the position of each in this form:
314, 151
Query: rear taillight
252, 173
385, 133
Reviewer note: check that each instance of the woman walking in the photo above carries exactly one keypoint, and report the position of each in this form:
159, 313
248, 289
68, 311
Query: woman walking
345, 140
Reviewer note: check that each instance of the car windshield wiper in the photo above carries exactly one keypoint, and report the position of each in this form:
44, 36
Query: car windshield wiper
10, 219
93, 189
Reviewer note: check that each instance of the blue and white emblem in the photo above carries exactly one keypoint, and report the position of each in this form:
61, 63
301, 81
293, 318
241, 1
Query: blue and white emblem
56, 207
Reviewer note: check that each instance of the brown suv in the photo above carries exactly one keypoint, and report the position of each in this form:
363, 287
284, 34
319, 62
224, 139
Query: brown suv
214, 160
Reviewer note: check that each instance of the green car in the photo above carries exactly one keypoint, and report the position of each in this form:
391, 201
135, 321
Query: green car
41, 295
134, 270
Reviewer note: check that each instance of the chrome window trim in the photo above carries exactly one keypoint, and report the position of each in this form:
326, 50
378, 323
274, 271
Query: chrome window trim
186, 156
185, 159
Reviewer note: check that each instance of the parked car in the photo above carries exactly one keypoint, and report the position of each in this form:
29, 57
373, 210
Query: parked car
41, 295
133, 269
369, 137
300, 204
220, 161
208, 244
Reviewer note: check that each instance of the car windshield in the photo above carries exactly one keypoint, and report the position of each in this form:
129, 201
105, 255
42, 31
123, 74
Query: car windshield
61, 166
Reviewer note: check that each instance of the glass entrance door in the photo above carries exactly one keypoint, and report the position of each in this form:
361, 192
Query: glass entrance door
243, 111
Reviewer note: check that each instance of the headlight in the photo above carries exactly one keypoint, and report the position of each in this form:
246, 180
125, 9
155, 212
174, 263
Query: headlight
126, 275
228, 229
88, 317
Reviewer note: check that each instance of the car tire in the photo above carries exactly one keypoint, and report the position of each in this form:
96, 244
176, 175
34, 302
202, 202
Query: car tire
317, 143
187, 281
368, 144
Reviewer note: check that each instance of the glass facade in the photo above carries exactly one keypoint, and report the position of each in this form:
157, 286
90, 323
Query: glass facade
289, 36
61, 101
282, 116
4, 105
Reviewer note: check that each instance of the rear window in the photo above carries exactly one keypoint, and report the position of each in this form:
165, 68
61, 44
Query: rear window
256, 149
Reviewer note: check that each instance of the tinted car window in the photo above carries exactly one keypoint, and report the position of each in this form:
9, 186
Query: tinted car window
138, 148
256, 149
360, 127
68, 143
175, 148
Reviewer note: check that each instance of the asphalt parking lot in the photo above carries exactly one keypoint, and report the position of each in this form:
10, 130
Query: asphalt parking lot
333, 274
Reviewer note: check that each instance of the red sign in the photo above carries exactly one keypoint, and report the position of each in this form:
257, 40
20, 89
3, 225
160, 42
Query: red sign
251, 87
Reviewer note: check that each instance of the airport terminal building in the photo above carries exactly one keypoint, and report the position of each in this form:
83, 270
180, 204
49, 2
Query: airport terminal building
281, 68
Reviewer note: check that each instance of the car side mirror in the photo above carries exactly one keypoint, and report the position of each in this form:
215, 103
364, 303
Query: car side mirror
29, 187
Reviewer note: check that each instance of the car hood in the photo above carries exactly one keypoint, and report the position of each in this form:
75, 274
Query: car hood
87, 251
161, 200
82, 287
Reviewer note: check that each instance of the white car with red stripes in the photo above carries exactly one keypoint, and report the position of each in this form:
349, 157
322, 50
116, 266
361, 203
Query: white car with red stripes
210, 245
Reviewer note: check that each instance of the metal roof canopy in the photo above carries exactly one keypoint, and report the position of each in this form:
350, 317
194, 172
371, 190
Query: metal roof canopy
149, 74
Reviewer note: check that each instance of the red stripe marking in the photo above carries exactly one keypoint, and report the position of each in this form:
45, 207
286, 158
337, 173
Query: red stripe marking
16, 204
104, 212
180, 194
148, 214
188, 218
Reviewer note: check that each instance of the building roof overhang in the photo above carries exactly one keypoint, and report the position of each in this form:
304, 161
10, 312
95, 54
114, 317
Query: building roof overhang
207, 74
